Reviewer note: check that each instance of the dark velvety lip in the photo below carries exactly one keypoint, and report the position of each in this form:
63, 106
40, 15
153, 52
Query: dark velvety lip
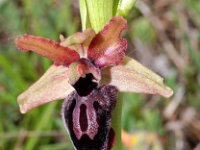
88, 118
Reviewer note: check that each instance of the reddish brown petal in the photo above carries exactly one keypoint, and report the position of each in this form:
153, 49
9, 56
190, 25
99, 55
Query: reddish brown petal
48, 48
107, 48
131, 76
79, 41
53, 85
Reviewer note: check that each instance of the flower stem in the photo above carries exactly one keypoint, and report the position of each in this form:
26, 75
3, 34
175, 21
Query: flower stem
116, 122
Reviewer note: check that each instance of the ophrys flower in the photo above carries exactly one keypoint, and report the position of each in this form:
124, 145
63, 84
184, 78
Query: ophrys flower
88, 71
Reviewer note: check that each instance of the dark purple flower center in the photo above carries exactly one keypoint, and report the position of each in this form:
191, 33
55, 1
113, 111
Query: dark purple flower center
84, 86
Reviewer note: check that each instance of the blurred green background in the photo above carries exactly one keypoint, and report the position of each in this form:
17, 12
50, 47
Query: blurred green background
164, 35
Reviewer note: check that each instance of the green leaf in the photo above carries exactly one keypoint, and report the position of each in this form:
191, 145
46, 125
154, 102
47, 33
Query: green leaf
194, 53
115, 6
124, 6
42, 123
83, 13
99, 12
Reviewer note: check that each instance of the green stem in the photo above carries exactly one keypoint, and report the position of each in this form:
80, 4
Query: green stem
116, 122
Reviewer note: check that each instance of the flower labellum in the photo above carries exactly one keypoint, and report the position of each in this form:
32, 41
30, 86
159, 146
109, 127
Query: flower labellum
88, 71
88, 118
87, 111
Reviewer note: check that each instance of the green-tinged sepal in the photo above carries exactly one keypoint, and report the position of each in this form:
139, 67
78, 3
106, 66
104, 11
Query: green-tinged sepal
53, 85
131, 76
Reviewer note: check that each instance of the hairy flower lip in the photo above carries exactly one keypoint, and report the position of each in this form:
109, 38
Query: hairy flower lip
98, 117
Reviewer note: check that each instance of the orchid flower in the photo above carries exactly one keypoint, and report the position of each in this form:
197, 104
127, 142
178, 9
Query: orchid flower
88, 71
